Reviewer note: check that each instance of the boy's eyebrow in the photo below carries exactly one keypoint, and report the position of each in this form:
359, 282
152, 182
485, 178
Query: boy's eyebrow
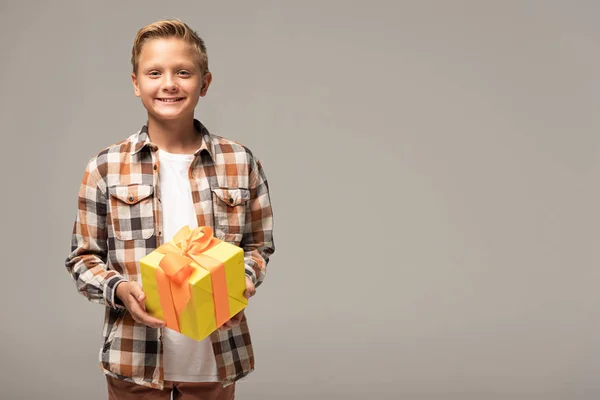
181, 65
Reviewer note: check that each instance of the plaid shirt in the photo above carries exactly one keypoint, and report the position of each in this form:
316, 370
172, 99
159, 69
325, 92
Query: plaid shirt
119, 221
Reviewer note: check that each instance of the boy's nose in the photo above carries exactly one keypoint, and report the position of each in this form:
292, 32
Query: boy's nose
170, 87
169, 84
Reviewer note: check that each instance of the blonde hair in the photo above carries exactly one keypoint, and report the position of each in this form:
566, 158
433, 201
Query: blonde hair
170, 28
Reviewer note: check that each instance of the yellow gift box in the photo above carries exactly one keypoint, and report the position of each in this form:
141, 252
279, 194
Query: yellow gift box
195, 282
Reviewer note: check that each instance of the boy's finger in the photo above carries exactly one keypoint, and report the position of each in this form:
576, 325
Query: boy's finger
141, 316
135, 309
235, 320
152, 322
227, 325
137, 292
224, 327
250, 288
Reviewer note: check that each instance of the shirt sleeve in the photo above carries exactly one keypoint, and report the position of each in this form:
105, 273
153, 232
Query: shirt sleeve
257, 240
87, 261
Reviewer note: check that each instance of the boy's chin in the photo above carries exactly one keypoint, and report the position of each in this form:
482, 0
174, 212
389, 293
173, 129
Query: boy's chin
170, 117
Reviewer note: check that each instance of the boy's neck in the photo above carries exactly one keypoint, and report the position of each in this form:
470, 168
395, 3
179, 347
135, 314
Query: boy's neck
177, 137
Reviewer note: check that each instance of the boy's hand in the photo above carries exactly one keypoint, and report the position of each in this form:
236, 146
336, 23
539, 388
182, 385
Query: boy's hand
132, 295
237, 318
234, 321
250, 289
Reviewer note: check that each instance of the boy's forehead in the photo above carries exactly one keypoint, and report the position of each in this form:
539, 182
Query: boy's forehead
167, 50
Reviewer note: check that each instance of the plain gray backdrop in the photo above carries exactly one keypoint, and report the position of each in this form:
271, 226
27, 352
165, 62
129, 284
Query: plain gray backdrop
434, 170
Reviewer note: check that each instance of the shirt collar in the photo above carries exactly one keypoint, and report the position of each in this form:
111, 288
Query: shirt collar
142, 140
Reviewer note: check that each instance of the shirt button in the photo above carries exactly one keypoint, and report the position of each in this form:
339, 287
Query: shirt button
155, 167
130, 198
231, 200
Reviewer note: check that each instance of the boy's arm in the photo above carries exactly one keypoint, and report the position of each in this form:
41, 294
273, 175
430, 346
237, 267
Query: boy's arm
87, 261
257, 241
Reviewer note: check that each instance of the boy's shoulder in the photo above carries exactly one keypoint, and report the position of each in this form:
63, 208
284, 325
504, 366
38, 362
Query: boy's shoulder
226, 145
224, 149
122, 146
110, 157
126, 146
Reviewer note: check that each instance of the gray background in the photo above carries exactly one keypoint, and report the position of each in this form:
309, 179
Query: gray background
434, 175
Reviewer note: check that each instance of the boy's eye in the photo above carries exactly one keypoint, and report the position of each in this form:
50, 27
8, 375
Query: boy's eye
184, 73
154, 73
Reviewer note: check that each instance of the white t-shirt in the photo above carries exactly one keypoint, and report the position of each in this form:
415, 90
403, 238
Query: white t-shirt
185, 359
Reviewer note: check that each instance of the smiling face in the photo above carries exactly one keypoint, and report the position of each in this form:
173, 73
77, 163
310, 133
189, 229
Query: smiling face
169, 80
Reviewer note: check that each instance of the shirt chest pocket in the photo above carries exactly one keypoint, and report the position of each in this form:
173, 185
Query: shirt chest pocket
131, 211
229, 205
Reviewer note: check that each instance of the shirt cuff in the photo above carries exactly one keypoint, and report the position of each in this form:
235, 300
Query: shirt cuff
110, 293
250, 274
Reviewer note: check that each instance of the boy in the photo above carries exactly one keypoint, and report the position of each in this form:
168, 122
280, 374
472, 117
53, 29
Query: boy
136, 194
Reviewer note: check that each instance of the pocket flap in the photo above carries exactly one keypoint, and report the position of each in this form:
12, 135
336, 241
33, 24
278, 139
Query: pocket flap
131, 194
232, 197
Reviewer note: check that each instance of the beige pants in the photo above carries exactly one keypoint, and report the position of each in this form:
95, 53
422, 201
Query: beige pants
121, 390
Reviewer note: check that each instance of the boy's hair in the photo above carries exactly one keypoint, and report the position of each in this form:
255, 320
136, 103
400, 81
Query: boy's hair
171, 28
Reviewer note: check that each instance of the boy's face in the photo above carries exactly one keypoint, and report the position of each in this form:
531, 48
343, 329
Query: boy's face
168, 79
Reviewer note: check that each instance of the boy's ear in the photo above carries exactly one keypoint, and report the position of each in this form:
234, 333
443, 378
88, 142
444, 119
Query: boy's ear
134, 81
206, 80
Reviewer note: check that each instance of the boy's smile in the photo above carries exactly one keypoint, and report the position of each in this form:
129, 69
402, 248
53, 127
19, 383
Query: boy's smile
168, 80
171, 99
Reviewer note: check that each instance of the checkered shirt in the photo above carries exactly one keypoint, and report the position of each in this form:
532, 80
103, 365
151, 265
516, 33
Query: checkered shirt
119, 221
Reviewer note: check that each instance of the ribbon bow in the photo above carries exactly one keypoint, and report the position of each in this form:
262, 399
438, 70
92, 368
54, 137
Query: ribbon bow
175, 269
